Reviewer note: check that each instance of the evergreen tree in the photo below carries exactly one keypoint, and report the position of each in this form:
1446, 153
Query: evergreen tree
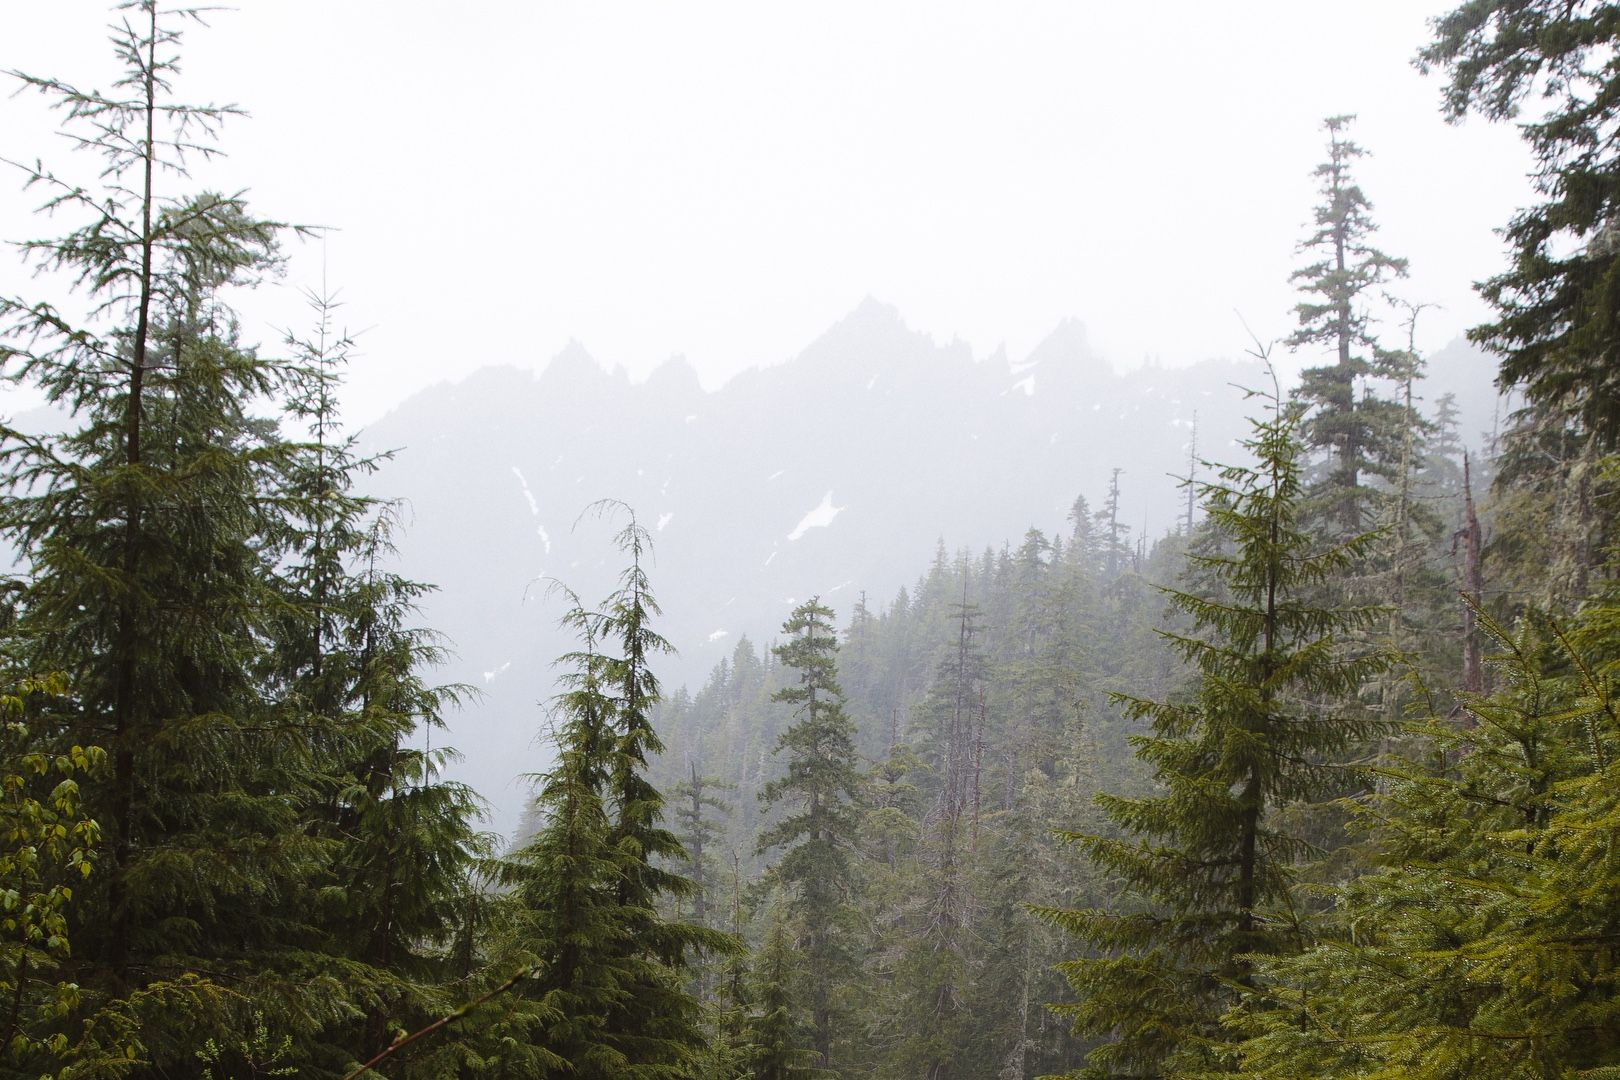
401, 841
406, 851
560, 915
1557, 327
933, 974
659, 1020
698, 831
611, 999
1212, 863
151, 532
1362, 433
777, 1031
821, 787
1482, 944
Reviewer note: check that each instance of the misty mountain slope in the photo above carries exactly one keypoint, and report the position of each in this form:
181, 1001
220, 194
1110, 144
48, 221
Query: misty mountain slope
834, 473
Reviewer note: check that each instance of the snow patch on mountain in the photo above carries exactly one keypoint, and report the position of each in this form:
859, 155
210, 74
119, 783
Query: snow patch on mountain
718, 634
665, 519
534, 509
819, 518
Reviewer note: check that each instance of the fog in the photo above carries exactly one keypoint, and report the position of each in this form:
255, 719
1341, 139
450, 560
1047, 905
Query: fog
724, 181
948, 232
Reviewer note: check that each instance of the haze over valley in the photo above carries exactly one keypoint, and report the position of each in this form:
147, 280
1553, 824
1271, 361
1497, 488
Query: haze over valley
835, 474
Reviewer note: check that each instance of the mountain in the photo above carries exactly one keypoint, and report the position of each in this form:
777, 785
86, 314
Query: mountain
836, 473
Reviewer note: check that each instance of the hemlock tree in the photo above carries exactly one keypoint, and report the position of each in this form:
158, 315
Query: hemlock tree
405, 849
698, 831
659, 1020
559, 913
816, 837
278, 866
151, 534
1211, 866
610, 998
1558, 325
401, 842
1362, 433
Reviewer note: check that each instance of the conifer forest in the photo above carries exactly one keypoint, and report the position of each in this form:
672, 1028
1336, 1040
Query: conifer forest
1322, 781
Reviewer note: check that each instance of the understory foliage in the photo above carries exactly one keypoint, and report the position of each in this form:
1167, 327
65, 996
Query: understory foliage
1481, 941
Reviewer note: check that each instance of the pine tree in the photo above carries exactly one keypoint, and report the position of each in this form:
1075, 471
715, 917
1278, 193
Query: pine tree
406, 846
821, 787
659, 1020
1362, 433
560, 914
1212, 865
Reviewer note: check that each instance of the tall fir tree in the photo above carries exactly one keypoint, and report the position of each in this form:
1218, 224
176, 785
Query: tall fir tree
559, 912
1212, 864
401, 841
821, 788
1361, 432
660, 1019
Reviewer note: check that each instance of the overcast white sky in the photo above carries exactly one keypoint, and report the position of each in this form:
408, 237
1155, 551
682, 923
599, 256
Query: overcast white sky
726, 179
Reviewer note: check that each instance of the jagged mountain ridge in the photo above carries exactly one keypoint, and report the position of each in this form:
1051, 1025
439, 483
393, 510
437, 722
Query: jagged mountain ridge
834, 473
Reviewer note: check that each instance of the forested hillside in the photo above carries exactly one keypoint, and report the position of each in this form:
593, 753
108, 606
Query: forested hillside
834, 473
1320, 781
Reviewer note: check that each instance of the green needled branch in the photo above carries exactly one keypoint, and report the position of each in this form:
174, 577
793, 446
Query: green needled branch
444, 1021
